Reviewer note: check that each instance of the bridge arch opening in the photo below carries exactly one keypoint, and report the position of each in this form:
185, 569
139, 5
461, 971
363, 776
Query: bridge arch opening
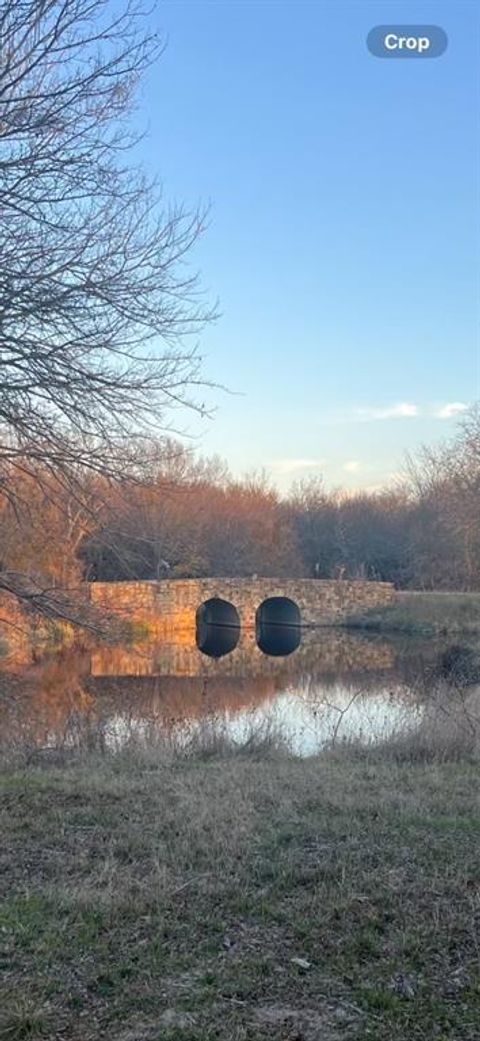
278, 610
218, 612
218, 627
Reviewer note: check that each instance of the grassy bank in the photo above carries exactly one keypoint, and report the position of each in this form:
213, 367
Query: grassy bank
424, 614
241, 898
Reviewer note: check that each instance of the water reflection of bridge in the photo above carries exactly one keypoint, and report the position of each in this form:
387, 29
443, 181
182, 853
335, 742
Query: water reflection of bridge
71, 697
328, 650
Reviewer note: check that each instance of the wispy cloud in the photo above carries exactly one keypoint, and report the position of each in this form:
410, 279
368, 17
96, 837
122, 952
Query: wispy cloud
398, 410
407, 410
352, 466
402, 410
450, 410
291, 466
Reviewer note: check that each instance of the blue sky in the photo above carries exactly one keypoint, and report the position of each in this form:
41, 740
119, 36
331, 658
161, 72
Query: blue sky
343, 239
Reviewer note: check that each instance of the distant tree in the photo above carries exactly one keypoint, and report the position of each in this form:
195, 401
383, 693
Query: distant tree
445, 483
375, 536
250, 532
314, 517
205, 524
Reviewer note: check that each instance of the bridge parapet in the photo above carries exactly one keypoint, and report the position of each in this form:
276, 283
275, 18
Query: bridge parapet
173, 603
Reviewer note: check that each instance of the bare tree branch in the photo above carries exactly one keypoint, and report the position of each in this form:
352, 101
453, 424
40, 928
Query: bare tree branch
97, 304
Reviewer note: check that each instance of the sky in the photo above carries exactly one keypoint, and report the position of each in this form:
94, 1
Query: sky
343, 240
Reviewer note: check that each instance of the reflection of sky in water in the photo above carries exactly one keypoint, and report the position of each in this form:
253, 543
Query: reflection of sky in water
306, 722
340, 714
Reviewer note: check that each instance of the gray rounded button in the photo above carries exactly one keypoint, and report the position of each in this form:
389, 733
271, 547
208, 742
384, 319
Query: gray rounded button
407, 41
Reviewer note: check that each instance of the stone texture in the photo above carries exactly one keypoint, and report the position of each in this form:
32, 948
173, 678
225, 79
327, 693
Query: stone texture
172, 604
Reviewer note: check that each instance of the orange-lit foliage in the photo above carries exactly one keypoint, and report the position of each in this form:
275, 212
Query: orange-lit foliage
185, 517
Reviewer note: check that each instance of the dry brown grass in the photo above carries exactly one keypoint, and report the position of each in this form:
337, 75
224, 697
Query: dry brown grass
169, 898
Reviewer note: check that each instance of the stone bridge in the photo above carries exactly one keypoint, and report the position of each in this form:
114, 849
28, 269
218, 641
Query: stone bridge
174, 604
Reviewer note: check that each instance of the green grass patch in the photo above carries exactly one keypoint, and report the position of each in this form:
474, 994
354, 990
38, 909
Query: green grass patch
424, 614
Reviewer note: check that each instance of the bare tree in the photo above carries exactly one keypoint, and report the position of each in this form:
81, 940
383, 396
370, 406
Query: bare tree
97, 307
445, 480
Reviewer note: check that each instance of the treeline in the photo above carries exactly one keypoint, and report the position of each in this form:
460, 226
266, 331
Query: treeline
183, 517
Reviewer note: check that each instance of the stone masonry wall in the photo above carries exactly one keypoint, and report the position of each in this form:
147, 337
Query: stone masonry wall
172, 604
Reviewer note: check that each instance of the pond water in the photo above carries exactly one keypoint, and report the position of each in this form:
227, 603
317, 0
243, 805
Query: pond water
310, 688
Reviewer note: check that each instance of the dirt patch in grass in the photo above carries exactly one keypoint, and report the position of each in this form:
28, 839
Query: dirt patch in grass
333, 898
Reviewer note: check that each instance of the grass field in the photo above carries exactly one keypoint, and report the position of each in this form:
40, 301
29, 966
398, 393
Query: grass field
241, 897
424, 614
